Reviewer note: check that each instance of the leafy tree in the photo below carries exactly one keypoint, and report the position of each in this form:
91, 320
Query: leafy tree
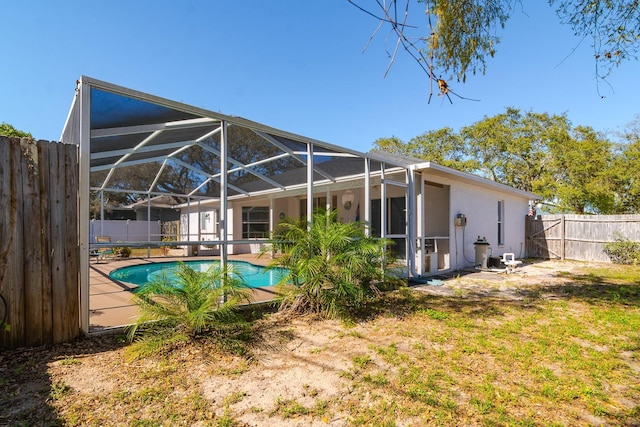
392, 145
461, 34
190, 305
582, 178
442, 146
334, 268
627, 170
7, 130
577, 169
513, 148
465, 33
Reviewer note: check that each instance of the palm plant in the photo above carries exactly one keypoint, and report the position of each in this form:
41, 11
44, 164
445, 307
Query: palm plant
333, 267
186, 305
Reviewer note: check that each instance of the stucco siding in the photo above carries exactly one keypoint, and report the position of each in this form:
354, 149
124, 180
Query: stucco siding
480, 206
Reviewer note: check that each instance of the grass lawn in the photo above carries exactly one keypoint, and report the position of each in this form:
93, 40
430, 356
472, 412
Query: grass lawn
565, 352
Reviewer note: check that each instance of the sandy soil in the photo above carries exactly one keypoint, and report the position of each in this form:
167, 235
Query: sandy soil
297, 360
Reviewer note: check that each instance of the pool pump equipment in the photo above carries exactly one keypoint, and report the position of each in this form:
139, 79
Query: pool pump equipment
482, 249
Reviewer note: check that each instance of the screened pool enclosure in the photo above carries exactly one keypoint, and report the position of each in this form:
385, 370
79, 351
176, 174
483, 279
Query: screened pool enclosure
135, 147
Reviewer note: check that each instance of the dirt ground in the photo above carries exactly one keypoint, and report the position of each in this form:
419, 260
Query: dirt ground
297, 361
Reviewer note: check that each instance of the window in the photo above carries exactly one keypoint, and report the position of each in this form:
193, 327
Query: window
318, 203
255, 222
500, 222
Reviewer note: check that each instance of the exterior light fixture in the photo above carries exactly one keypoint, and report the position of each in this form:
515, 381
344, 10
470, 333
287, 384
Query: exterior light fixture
347, 199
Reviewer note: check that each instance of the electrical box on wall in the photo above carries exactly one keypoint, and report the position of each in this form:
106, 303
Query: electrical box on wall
460, 220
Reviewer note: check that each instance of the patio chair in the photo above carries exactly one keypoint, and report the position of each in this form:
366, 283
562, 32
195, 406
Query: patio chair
102, 253
510, 262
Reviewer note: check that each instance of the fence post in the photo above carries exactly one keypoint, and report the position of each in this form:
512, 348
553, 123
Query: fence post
563, 237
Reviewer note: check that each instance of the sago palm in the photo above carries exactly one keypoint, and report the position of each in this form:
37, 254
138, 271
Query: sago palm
187, 304
333, 266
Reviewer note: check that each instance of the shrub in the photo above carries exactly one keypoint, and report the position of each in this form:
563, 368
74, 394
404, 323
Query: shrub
623, 251
334, 268
122, 251
190, 305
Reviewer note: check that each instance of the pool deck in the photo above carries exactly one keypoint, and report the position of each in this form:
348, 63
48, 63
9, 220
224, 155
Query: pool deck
110, 302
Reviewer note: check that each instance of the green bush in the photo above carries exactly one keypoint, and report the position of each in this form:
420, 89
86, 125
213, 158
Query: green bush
122, 251
190, 305
334, 267
623, 251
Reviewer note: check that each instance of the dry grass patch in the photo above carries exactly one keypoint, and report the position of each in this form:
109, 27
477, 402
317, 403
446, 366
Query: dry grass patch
561, 350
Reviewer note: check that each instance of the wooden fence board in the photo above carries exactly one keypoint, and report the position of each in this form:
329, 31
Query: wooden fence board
32, 225
8, 271
12, 278
16, 300
72, 248
45, 263
58, 209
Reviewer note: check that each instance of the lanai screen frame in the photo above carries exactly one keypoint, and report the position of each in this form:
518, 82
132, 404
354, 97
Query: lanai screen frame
81, 129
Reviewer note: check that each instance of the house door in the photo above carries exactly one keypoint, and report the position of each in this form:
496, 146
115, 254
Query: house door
436, 226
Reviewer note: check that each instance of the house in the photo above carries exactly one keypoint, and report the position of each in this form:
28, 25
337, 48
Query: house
237, 178
446, 213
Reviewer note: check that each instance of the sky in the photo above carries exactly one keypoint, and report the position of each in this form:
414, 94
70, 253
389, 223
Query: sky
300, 66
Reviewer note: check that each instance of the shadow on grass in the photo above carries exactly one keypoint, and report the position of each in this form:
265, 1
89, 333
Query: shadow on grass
593, 287
28, 392
590, 287
26, 389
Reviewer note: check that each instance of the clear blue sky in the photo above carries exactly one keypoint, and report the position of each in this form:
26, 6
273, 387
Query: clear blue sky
291, 64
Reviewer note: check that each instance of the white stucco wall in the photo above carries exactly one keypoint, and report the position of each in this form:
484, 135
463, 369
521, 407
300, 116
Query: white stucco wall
480, 206
478, 203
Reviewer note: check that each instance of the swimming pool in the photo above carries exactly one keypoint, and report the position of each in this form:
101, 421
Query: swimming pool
254, 276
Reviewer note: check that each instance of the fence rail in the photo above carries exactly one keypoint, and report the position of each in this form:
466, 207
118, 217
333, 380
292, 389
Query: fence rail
578, 237
39, 242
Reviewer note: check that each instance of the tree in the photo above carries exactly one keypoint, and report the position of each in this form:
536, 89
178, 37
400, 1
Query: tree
575, 168
461, 34
7, 130
513, 148
627, 170
581, 171
442, 146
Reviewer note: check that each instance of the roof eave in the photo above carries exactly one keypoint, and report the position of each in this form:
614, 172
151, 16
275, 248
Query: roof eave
474, 179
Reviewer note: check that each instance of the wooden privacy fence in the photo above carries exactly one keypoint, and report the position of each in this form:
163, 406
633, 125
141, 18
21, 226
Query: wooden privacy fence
578, 237
39, 255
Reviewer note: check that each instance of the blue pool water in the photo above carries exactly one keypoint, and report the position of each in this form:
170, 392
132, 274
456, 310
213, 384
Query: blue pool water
253, 275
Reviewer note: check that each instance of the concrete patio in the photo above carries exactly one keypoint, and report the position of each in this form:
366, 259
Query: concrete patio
110, 301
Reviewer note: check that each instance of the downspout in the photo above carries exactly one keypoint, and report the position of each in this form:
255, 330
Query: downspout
272, 223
